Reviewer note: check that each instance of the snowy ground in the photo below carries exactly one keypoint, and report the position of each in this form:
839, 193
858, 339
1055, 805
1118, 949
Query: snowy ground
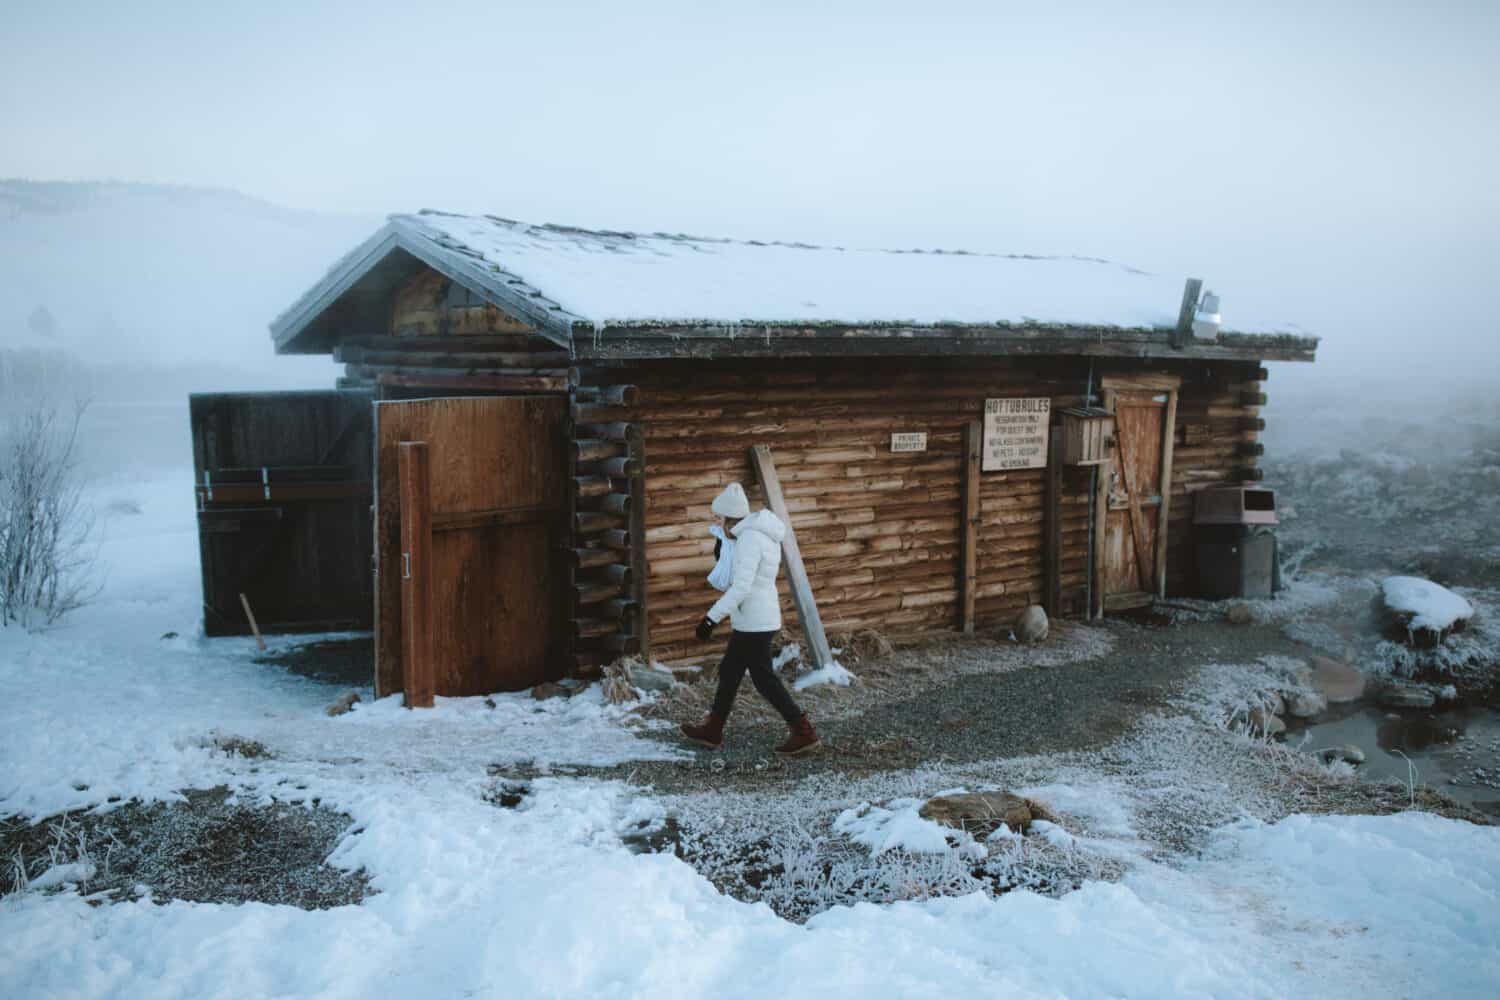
547, 899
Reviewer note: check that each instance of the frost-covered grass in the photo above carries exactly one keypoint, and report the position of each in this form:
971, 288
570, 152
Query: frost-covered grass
539, 894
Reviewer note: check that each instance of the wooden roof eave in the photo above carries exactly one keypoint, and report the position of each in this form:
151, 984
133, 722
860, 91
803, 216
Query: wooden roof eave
500, 288
644, 341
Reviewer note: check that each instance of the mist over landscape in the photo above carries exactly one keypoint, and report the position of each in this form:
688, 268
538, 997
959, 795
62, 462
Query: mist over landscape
424, 689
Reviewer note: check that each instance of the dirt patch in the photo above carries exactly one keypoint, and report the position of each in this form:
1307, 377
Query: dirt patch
347, 661
207, 849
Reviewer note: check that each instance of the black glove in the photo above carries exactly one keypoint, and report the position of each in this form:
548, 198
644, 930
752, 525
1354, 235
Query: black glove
705, 630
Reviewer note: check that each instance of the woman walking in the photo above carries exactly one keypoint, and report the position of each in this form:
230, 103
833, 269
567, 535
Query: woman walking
754, 611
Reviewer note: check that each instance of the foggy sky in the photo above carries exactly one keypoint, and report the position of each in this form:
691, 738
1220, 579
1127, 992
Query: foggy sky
1333, 163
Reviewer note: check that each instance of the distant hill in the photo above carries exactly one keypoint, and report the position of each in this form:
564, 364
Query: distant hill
154, 276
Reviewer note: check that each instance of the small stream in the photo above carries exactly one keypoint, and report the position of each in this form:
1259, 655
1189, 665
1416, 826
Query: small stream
1454, 750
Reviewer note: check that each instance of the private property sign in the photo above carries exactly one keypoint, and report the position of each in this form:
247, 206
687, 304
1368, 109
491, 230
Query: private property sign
909, 441
1015, 433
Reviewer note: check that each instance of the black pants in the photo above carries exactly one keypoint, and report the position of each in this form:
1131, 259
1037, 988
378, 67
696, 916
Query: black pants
752, 651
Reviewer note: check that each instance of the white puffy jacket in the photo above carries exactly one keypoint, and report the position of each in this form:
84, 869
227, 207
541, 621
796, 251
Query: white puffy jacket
751, 602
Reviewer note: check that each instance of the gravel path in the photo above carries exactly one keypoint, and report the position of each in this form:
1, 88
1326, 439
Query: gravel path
960, 717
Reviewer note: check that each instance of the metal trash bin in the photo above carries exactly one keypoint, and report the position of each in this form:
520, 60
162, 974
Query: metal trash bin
1236, 542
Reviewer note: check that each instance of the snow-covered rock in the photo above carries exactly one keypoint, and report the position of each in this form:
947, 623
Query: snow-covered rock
1424, 611
1032, 625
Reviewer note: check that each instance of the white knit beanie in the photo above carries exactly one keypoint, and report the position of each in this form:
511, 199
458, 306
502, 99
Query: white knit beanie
732, 502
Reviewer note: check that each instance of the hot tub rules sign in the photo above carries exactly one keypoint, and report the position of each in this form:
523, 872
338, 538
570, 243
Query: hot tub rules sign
1015, 434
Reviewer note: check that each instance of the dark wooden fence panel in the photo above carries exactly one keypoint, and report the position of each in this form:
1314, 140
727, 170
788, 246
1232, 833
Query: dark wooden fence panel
283, 484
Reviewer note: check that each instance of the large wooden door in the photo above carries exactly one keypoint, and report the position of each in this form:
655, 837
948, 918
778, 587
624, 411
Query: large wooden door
495, 570
283, 489
1135, 489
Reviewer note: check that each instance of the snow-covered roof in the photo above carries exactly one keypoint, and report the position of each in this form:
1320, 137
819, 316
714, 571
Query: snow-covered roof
610, 278
568, 280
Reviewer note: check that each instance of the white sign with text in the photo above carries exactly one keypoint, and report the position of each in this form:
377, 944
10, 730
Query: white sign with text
1015, 434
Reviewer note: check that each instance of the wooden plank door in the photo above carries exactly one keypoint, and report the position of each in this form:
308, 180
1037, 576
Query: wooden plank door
1134, 492
496, 579
283, 484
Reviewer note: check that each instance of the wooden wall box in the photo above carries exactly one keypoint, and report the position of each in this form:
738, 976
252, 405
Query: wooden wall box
1088, 435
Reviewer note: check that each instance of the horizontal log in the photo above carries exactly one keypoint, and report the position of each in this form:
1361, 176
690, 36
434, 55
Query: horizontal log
479, 383
1249, 448
618, 608
619, 468
1247, 474
614, 430
593, 522
586, 592
615, 503
590, 558
595, 449
594, 628
1252, 399
590, 486
597, 413
613, 395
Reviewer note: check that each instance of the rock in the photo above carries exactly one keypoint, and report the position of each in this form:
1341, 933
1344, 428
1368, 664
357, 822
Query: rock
549, 689
344, 703
1263, 723
1336, 681
1306, 704
1419, 612
1032, 625
1277, 703
1239, 614
1348, 753
652, 678
981, 813
1406, 696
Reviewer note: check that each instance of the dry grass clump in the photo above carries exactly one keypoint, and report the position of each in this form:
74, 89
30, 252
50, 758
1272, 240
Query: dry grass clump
617, 683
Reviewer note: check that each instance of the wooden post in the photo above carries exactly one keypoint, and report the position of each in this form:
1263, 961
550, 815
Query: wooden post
1163, 512
1052, 516
796, 573
638, 571
968, 581
416, 585
1102, 476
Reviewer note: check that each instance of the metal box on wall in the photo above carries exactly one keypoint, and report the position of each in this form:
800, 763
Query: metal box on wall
1235, 505
1088, 435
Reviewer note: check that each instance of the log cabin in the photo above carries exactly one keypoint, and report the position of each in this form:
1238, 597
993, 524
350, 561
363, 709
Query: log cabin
511, 481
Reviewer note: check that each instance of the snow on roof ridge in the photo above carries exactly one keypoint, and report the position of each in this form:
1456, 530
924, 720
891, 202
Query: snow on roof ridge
572, 230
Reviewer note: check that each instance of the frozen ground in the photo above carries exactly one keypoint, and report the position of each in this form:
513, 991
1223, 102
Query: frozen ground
553, 896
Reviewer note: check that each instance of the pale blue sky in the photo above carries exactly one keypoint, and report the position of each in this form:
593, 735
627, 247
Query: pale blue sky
1338, 159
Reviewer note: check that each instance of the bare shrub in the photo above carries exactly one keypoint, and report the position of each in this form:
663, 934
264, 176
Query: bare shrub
46, 563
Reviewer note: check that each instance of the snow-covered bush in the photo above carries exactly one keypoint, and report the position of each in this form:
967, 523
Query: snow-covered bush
46, 564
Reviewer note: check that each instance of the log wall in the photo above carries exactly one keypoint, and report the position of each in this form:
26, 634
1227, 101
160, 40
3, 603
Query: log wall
880, 531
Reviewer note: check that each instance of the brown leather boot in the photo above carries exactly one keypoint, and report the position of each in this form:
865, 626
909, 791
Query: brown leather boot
708, 733
803, 739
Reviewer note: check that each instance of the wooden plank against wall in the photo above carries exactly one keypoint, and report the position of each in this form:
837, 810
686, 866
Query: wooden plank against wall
968, 583
796, 573
416, 574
